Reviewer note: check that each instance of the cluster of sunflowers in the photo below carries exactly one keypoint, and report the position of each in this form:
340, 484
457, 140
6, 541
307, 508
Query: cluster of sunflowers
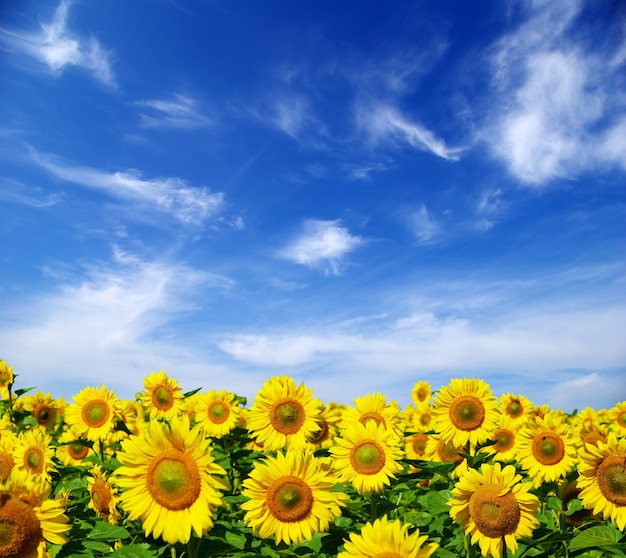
455, 473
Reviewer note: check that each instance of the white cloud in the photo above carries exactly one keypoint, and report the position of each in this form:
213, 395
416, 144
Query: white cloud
188, 204
558, 105
57, 47
179, 111
382, 122
423, 225
32, 196
321, 243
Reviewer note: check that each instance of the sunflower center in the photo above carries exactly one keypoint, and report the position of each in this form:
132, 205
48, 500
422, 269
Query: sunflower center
422, 394
448, 452
6, 465
163, 398
467, 413
548, 448
77, 451
621, 419
419, 443
287, 416
367, 457
95, 413
34, 460
44, 414
372, 416
514, 409
101, 497
505, 440
322, 434
173, 479
218, 412
612, 479
495, 515
289, 499
20, 532
388, 555
425, 419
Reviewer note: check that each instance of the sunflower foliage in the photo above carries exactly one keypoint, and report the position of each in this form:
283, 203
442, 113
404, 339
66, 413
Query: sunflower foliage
203, 472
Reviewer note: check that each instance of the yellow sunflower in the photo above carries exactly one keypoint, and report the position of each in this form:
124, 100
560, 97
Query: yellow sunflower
374, 408
283, 415
168, 479
494, 508
216, 412
7, 461
602, 479
104, 499
387, 539
70, 450
162, 397
505, 436
420, 394
28, 519
6, 375
617, 419
291, 496
465, 411
567, 491
328, 427
439, 450
367, 455
43, 408
546, 449
93, 412
33, 454
516, 407
415, 445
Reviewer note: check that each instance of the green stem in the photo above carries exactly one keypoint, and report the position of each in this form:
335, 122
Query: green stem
373, 503
504, 552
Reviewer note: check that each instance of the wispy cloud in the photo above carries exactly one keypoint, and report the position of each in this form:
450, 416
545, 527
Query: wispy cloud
179, 111
423, 225
14, 191
384, 123
174, 196
559, 108
321, 244
57, 47
489, 209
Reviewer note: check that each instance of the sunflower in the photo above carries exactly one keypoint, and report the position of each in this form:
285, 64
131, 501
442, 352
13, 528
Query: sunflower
162, 397
420, 394
374, 407
216, 412
72, 449
28, 519
43, 408
168, 477
617, 418
388, 539
602, 479
465, 411
6, 375
93, 412
104, 499
33, 454
494, 507
516, 407
415, 445
439, 450
367, 455
283, 415
546, 449
291, 496
568, 491
505, 448
330, 417
7, 461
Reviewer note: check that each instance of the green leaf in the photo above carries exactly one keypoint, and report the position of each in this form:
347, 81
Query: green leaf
104, 531
133, 551
236, 539
594, 537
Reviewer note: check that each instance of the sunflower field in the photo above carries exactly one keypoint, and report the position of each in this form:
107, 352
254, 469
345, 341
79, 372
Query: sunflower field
186, 474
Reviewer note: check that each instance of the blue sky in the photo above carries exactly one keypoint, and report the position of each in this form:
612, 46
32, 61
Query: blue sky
359, 194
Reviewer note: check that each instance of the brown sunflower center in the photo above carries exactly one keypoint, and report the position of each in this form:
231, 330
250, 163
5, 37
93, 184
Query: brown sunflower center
495, 515
20, 532
95, 413
612, 479
621, 419
422, 394
448, 452
5, 378
514, 409
287, 416
322, 434
44, 414
548, 448
163, 398
505, 440
77, 451
289, 499
467, 413
34, 460
101, 497
6, 465
425, 419
218, 412
173, 480
388, 555
372, 416
418, 443
367, 457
